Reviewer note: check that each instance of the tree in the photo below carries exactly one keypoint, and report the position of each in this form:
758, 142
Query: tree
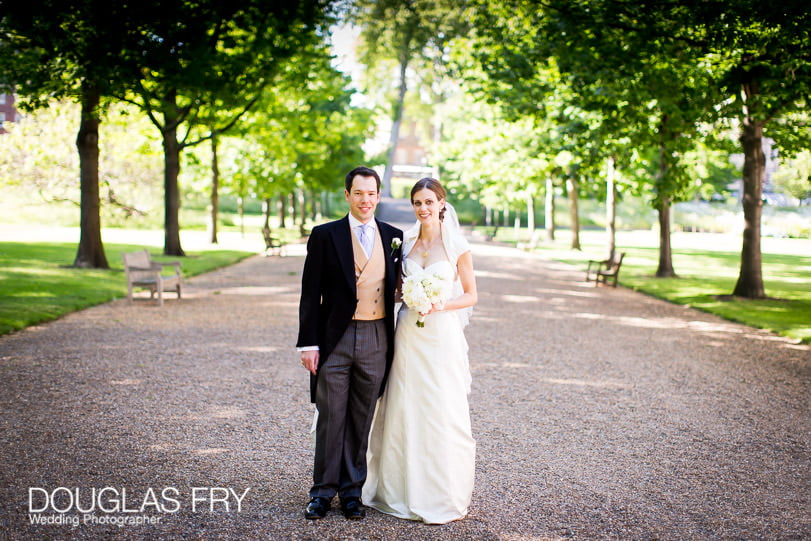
304, 69
408, 31
37, 154
486, 157
762, 58
794, 176
52, 49
297, 138
610, 63
216, 55
742, 60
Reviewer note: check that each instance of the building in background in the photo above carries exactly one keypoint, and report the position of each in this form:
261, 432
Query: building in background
8, 113
410, 160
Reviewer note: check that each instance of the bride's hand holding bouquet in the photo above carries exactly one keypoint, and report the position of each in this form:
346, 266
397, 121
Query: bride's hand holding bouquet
424, 292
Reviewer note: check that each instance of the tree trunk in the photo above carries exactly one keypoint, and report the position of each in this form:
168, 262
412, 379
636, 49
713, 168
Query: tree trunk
215, 192
171, 169
396, 120
750, 279
316, 206
282, 210
549, 209
90, 253
266, 213
665, 269
241, 210
325, 207
574, 213
611, 209
530, 215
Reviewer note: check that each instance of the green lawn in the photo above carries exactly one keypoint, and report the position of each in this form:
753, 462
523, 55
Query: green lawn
36, 283
707, 267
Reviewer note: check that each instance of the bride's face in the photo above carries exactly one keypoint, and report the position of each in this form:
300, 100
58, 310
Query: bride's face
427, 206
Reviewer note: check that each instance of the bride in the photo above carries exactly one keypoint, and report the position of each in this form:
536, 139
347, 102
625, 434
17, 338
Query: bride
421, 456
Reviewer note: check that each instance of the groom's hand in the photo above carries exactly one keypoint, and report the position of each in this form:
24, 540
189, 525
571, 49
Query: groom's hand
310, 360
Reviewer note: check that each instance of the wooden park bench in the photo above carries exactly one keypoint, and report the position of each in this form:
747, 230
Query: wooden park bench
144, 273
533, 243
604, 269
273, 244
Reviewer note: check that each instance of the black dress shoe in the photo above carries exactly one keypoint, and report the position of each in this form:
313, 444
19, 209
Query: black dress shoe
353, 509
317, 508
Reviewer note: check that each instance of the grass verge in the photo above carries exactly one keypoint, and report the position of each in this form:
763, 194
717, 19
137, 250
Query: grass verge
707, 266
37, 285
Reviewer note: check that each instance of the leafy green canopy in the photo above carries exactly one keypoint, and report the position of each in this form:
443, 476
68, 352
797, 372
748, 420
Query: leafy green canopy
48, 48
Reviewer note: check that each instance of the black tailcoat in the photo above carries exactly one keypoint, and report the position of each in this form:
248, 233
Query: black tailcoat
328, 288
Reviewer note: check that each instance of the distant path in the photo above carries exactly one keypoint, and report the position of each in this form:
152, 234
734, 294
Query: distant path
599, 413
395, 211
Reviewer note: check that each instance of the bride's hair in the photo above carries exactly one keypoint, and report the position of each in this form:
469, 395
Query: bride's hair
433, 185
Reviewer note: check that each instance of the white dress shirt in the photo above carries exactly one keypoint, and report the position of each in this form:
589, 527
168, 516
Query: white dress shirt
371, 228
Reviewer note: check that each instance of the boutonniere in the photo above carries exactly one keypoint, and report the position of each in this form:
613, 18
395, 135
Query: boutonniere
395, 245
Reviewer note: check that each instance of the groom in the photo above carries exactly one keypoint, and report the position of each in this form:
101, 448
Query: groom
346, 338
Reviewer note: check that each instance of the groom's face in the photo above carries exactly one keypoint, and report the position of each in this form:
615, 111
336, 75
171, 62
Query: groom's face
363, 198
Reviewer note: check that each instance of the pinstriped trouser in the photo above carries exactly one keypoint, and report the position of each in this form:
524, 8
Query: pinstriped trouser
347, 390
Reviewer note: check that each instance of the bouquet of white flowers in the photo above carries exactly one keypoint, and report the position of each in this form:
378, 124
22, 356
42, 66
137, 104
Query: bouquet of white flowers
421, 290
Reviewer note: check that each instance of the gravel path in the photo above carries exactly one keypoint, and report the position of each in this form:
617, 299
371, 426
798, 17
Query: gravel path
598, 414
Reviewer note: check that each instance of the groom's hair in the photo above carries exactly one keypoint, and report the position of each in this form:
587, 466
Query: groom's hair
363, 172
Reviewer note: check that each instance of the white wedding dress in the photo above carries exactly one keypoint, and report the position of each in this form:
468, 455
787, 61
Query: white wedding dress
421, 457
